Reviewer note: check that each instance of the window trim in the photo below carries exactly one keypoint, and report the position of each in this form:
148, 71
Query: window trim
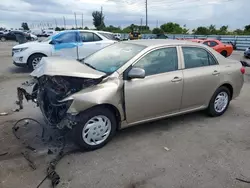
199, 47
125, 72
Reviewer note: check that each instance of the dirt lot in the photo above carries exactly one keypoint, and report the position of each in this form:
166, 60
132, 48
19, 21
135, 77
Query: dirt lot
203, 152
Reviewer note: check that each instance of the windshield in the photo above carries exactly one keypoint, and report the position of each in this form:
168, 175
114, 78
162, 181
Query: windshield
48, 38
111, 58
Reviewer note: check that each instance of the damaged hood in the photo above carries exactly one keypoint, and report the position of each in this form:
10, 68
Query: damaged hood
56, 66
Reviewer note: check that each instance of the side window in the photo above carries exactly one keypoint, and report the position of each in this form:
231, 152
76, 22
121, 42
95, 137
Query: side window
159, 61
197, 57
211, 59
67, 37
96, 37
211, 43
89, 37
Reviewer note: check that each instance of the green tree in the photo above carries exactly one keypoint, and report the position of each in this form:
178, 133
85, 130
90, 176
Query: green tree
98, 20
173, 28
157, 31
212, 29
223, 30
238, 32
57, 29
201, 31
25, 26
247, 29
113, 29
86, 28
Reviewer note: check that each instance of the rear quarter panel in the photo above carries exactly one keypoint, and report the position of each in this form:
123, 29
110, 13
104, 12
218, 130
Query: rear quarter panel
231, 74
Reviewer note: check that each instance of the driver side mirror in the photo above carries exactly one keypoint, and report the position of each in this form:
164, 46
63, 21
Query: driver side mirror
136, 73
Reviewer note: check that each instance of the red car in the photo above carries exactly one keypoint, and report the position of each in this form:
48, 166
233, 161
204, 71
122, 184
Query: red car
224, 49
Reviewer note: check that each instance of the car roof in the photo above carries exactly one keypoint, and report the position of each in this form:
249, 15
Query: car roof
161, 42
94, 31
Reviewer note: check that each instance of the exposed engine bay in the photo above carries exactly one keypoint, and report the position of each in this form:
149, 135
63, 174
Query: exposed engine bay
48, 91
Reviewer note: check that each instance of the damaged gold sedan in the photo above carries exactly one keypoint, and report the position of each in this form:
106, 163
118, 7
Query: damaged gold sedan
132, 82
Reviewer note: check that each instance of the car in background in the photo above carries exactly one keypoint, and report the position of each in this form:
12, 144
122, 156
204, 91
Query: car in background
135, 35
224, 49
12, 36
76, 44
131, 83
247, 53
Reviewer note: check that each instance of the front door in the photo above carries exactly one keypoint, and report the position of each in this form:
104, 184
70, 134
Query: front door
201, 77
65, 45
159, 93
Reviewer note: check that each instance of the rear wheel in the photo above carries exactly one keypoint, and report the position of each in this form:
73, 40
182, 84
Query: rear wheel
3, 39
224, 53
34, 60
219, 102
96, 128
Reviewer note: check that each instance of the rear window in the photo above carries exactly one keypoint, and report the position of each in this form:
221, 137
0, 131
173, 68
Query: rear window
109, 36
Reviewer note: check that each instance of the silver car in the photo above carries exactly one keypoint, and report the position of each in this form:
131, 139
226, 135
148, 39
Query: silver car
133, 82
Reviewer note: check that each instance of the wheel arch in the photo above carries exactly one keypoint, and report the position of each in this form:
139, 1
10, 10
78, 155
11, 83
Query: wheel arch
112, 108
36, 53
230, 87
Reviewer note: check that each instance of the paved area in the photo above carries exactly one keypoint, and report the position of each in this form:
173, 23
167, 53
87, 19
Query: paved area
203, 152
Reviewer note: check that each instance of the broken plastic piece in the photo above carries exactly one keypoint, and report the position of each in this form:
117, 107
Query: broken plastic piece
3, 113
166, 148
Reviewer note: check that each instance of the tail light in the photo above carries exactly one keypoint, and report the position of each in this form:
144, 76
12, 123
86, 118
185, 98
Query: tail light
242, 70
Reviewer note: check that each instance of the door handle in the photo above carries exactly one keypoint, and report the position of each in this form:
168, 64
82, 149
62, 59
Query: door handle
216, 72
176, 79
98, 43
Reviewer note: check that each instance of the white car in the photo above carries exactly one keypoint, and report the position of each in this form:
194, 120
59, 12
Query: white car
76, 44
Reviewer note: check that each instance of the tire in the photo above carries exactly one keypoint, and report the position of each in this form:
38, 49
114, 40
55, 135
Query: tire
224, 53
95, 115
32, 58
3, 39
211, 110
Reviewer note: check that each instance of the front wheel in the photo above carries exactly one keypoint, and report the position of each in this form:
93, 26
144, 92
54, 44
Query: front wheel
34, 60
3, 39
219, 102
97, 126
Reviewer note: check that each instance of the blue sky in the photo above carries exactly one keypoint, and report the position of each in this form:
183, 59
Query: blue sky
193, 13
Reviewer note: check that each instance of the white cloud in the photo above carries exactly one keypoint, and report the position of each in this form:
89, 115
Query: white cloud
124, 12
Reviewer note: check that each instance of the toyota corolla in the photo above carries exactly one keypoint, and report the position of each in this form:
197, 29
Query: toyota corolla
133, 82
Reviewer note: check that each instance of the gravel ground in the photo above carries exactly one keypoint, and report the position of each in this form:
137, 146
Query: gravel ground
203, 152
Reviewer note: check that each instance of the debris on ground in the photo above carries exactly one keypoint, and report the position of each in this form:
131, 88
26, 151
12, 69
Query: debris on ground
27, 157
167, 149
3, 154
242, 180
4, 113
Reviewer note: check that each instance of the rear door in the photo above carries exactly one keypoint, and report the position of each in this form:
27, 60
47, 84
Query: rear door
65, 45
201, 77
159, 93
89, 43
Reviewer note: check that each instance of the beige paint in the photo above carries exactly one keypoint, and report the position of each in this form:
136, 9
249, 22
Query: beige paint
155, 96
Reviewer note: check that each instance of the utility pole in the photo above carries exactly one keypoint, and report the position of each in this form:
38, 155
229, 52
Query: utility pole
82, 20
141, 26
157, 23
64, 22
146, 13
56, 22
75, 20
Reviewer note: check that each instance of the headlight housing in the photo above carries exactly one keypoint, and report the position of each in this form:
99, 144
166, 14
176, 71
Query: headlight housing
17, 50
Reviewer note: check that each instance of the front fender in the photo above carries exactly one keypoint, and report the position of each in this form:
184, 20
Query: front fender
109, 91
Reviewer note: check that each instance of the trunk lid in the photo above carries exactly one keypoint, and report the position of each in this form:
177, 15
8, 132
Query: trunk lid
56, 66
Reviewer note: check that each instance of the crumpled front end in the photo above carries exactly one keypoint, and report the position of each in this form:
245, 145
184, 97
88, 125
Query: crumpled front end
49, 91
